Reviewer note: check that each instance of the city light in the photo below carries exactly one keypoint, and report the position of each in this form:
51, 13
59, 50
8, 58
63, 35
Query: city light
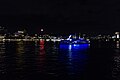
41, 30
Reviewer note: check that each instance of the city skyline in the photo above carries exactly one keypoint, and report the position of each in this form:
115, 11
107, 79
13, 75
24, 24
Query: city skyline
59, 39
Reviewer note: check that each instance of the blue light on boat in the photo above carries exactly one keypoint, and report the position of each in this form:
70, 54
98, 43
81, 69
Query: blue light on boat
74, 41
70, 39
74, 46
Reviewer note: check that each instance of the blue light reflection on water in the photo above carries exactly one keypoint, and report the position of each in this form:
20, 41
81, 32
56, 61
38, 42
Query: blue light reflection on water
74, 57
74, 46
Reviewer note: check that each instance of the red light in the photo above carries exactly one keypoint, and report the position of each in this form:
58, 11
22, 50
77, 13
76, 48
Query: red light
42, 42
41, 47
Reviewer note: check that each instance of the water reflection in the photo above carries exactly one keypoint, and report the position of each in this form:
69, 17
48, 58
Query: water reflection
41, 59
41, 47
52, 64
116, 65
74, 46
2, 59
70, 53
20, 58
117, 44
32, 60
76, 57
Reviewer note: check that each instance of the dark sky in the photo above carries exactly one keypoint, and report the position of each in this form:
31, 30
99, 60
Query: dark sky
57, 15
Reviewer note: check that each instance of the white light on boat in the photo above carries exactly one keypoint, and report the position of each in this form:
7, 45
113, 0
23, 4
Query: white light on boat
75, 41
70, 39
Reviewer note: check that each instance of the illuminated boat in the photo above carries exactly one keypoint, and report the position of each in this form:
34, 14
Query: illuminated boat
75, 41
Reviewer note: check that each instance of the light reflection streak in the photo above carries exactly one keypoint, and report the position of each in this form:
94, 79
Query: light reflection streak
117, 44
74, 46
116, 66
41, 58
70, 53
20, 50
2, 58
76, 57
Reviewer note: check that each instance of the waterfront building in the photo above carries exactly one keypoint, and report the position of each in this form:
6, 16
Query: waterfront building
2, 32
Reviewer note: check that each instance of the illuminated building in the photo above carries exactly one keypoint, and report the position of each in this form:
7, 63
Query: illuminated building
2, 32
20, 34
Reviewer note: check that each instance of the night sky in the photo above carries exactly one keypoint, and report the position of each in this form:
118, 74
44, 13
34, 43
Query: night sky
61, 15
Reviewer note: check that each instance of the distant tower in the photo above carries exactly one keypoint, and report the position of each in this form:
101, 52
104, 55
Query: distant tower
117, 35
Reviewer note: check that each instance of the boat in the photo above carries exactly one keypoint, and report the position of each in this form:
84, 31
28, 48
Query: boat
75, 41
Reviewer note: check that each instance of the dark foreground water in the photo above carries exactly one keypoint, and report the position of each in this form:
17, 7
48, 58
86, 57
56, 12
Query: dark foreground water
32, 61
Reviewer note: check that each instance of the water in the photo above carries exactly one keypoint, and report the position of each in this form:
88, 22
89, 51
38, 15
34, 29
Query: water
32, 61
